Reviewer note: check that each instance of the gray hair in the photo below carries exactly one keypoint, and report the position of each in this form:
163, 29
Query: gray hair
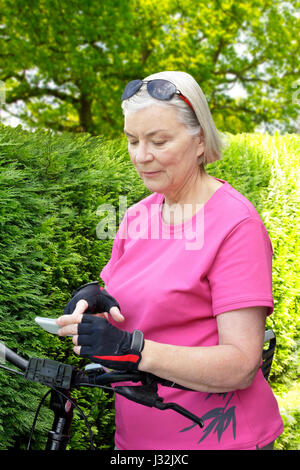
198, 121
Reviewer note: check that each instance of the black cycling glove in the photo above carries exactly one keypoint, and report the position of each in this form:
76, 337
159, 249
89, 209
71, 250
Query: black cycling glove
97, 298
104, 343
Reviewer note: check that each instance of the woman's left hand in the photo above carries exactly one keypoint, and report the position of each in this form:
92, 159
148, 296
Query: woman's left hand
69, 325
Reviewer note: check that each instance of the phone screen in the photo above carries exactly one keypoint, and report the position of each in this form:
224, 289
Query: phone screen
48, 324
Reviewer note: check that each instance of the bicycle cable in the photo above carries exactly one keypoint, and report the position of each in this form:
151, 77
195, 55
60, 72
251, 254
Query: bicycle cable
92, 446
96, 405
82, 415
35, 418
11, 370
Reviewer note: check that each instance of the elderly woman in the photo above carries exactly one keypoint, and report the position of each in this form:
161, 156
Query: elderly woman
188, 286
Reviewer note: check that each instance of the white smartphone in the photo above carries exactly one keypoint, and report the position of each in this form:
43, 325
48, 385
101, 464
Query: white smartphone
48, 324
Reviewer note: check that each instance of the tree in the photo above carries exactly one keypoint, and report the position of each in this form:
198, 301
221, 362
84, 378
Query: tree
66, 62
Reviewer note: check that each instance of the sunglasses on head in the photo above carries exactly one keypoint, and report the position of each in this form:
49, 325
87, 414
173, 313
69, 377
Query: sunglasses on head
157, 88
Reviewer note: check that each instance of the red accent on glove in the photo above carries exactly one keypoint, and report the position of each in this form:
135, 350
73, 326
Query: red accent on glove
127, 358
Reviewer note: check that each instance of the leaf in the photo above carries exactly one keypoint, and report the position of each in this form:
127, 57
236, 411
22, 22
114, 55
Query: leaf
208, 429
224, 422
231, 413
188, 428
212, 413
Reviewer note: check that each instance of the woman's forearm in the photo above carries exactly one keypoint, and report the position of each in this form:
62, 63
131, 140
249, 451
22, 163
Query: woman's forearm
212, 369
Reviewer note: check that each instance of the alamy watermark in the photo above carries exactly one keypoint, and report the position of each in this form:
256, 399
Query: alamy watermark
145, 222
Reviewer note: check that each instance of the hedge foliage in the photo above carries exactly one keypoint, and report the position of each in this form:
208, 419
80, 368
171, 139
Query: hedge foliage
50, 189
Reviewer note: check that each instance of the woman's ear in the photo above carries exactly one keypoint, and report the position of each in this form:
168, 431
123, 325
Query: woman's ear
200, 144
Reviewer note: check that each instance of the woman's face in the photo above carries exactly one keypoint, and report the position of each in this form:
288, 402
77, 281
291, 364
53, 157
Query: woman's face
164, 154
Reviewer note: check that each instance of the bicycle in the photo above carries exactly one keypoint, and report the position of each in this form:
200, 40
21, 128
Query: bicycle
62, 378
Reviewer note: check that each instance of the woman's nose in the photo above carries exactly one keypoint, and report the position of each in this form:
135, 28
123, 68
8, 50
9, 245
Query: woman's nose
142, 153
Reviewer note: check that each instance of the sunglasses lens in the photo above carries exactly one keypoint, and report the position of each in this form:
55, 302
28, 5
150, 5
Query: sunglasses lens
131, 88
161, 89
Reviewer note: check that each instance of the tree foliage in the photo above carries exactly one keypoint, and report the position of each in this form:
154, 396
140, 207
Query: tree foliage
64, 63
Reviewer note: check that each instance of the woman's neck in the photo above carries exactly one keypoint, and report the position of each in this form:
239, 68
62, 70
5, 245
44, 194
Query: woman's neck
180, 207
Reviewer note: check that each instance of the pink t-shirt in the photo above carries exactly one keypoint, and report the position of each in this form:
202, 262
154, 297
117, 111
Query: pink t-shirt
171, 282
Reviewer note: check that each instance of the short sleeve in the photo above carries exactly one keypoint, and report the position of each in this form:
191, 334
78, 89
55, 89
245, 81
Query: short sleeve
241, 274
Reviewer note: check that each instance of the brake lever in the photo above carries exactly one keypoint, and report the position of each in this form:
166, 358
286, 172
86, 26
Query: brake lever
144, 394
147, 395
179, 409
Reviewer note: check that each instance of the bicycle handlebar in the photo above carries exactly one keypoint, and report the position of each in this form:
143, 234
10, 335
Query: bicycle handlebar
61, 378
14, 358
104, 378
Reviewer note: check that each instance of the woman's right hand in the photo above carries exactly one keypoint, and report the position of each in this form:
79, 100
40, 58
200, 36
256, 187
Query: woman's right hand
93, 299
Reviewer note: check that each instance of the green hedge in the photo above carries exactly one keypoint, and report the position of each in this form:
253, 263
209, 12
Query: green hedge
50, 189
